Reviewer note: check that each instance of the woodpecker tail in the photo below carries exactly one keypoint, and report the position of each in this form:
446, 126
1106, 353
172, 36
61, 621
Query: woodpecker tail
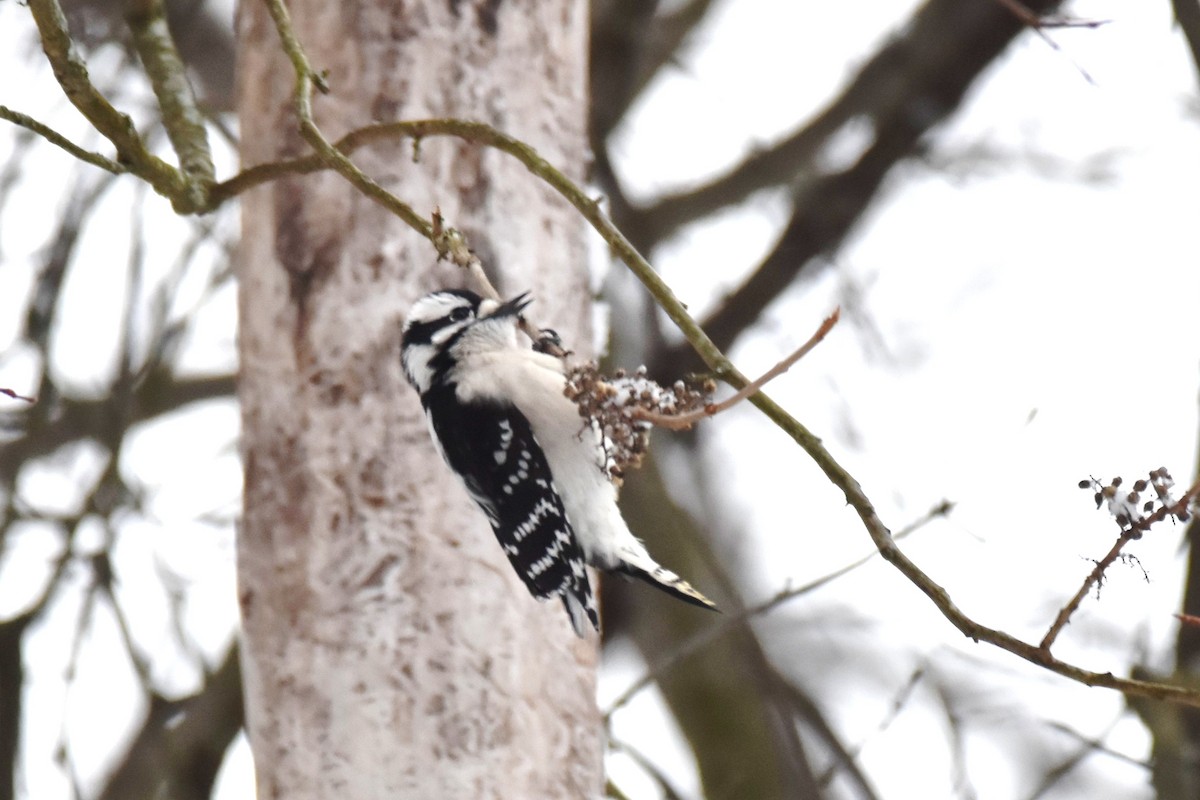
580, 603
643, 567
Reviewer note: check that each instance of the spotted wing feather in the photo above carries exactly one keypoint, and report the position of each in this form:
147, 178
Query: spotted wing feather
491, 446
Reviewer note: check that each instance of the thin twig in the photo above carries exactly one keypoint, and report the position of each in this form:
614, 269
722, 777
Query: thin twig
730, 623
1134, 531
104, 586
960, 779
57, 139
1089, 745
647, 766
15, 396
804, 712
899, 700
1187, 15
452, 244
1040, 25
1032, 20
679, 422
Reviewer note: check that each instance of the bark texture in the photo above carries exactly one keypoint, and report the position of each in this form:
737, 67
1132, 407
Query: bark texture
389, 650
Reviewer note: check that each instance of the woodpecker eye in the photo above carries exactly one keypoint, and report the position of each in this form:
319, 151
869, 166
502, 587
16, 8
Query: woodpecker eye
460, 313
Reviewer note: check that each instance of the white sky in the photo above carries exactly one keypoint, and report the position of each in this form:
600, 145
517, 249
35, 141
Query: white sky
1026, 317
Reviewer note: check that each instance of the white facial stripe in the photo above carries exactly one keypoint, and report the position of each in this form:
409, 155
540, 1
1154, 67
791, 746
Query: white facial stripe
428, 327
445, 333
415, 360
434, 306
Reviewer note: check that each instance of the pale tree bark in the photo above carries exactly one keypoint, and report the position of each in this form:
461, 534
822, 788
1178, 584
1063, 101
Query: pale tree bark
389, 650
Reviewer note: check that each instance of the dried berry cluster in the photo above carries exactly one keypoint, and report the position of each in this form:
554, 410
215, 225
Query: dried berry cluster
1133, 507
617, 407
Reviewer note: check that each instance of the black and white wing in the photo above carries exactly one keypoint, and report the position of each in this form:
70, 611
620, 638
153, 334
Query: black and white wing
491, 446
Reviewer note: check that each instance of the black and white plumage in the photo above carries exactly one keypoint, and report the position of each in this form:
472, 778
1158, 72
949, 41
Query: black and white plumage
498, 415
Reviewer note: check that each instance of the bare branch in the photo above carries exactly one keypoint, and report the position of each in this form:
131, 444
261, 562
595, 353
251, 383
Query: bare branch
1032, 20
306, 79
737, 717
960, 781
732, 622
669, 792
72, 75
1040, 25
913, 82
778, 164
168, 76
466, 130
57, 139
15, 396
1088, 746
981, 633
844, 760
75, 419
900, 700
667, 35
619, 39
1135, 531
451, 244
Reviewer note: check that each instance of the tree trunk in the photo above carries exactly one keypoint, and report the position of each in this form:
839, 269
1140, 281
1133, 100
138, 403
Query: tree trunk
389, 650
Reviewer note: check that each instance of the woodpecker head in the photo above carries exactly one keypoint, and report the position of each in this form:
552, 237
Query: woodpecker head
444, 327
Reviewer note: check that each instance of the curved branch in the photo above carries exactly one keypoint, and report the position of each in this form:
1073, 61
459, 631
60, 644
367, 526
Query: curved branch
736, 621
331, 156
58, 140
72, 75
180, 116
620, 36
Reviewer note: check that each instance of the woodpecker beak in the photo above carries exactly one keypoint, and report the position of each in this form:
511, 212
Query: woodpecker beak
512, 308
